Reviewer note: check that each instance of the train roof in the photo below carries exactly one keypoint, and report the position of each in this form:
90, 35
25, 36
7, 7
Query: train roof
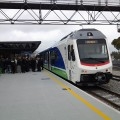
85, 34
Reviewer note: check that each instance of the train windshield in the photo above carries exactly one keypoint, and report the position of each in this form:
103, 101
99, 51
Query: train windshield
93, 51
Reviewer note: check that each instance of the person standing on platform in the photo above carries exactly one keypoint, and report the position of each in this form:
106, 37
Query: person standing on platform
23, 63
8, 65
41, 63
33, 64
38, 64
19, 63
13, 66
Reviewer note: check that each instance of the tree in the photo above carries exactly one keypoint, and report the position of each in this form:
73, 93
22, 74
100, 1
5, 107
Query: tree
116, 43
116, 55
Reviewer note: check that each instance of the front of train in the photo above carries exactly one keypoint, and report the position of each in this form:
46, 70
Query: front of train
95, 59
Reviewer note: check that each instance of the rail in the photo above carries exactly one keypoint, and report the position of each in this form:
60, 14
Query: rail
109, 97
116, 67
115, 77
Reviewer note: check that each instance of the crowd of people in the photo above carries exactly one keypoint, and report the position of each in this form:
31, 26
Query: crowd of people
20, 64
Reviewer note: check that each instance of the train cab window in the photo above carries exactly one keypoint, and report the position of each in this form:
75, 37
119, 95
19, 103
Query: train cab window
93, 51
69, 52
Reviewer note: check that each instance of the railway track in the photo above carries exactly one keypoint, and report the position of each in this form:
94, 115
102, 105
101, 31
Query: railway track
115, 77
116, 67
109, 97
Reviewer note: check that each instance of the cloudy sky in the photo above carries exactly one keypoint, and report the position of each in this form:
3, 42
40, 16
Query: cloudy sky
49, 34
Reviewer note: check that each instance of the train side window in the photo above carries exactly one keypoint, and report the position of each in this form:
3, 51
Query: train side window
46, 57
53, 56
69, 52
72, 53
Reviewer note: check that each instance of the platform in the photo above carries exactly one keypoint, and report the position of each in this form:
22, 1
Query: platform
44, 96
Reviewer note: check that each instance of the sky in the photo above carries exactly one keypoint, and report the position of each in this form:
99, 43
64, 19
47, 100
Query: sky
50, 34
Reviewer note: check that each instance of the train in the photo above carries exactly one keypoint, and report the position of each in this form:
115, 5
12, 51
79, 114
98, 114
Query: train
82, 57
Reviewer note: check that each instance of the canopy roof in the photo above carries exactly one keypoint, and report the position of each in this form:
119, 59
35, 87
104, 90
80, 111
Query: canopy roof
16, 47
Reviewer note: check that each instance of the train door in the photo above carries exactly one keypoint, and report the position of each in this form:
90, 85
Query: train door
71, 59
46, 60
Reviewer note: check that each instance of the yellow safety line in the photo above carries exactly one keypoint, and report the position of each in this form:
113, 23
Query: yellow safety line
78, 97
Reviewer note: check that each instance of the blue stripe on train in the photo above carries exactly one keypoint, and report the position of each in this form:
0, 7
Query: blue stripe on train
58, 61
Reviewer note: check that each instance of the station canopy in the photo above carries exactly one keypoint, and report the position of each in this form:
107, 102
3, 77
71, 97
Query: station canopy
17, 47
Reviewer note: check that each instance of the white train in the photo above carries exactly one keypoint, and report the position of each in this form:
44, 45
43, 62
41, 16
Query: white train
82, 57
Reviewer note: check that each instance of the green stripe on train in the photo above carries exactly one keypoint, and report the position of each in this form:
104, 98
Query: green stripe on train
46, 66
59, 72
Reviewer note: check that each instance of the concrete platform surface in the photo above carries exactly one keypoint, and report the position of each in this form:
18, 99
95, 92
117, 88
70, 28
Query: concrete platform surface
44, 96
